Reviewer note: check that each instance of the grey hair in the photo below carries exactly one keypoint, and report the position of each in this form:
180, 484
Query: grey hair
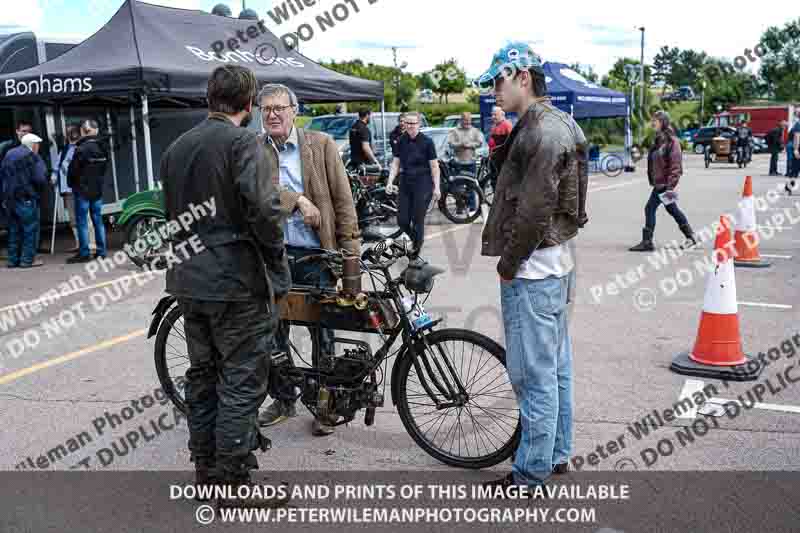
90, 124
415, 114
271, 89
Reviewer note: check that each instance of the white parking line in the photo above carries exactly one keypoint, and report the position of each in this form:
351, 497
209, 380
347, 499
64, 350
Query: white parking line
690, 386
771, 306
615, 186
766, 406
57, 295
768, 256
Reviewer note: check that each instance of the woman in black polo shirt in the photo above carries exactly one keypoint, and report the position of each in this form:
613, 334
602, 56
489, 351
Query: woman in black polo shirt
416, 155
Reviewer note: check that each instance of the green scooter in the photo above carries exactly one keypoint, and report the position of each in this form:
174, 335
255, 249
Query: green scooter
142, 216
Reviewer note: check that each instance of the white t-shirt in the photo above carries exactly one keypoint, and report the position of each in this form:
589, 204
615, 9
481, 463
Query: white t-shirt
552, 261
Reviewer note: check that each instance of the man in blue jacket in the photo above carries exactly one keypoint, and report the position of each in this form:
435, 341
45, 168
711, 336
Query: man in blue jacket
23, 176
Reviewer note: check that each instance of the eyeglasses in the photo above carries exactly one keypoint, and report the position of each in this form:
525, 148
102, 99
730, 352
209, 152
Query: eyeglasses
278, 109
411, 123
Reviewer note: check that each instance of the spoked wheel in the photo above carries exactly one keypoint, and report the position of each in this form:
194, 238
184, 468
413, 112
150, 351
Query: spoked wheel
145, 243
485, 180
172, 354
455, 204
484, 429
172, 357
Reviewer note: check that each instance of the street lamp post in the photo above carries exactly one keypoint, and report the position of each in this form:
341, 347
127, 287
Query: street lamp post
702, 102
641, 78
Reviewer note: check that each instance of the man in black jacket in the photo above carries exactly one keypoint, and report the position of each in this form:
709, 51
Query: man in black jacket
226, 291
397, 133
775, 146
85, 177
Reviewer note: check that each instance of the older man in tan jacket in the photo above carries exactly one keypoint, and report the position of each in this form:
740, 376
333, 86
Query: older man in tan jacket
316, 198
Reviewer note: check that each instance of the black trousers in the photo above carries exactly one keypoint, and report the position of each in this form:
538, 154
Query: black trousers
230, 346
652, 206
413, 200
773, 162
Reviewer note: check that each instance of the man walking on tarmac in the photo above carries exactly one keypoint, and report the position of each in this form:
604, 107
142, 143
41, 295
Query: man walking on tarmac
538, 208
227, 290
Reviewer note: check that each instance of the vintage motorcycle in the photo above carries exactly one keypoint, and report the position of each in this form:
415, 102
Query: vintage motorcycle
375, 208
450, 386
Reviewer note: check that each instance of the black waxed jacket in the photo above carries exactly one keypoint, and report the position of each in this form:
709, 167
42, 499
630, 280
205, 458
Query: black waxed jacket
87, 170
243, 233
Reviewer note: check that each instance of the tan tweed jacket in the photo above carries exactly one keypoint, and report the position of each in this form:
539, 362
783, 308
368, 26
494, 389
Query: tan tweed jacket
325, 183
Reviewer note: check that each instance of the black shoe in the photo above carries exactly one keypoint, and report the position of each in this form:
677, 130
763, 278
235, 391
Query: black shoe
230, 487
79, 259
647, 242
691, 241
507, 488
98, 256
561, 468
205, 475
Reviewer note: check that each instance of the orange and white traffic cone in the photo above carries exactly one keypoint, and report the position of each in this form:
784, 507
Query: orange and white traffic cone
746, 236
717, 352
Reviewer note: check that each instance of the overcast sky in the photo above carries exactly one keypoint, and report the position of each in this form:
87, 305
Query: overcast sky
428, 31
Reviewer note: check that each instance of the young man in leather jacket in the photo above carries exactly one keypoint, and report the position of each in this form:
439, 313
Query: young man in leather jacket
538, 208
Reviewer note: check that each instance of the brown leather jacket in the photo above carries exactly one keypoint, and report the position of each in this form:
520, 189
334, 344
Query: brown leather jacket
540, 200
665, 162
325, 183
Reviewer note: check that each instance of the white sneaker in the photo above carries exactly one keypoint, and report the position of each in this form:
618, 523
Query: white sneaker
478, 220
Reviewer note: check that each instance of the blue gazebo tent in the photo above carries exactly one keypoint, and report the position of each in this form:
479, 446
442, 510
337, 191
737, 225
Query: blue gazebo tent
574, 94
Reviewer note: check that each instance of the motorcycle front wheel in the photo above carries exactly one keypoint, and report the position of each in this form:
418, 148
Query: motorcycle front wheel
482, 432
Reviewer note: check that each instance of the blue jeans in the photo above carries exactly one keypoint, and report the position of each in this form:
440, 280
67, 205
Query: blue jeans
539, 362
23, 232
83, 208
308, 273
789, 159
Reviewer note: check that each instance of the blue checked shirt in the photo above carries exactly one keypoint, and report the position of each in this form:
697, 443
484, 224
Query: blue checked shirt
295, 230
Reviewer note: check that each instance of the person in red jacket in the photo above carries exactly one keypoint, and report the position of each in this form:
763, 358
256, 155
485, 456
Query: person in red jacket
501, 128
664, 169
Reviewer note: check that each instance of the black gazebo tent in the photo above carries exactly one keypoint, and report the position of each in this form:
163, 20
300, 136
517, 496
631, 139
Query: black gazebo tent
152, 55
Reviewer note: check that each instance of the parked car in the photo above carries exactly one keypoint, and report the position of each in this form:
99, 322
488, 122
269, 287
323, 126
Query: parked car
759, 145
439, 138
425, 96
703, 137
687, 134
338, 127
683, 93
451, 121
